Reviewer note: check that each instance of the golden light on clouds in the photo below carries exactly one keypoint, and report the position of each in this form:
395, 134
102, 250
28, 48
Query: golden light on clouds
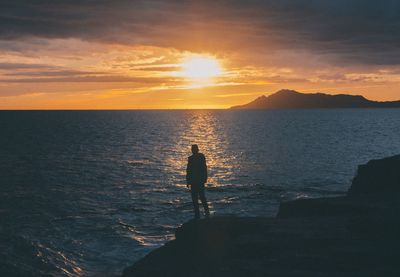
75, 74
205, 54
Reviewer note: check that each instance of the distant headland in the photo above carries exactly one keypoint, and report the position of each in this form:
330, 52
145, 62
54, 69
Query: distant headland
291, 99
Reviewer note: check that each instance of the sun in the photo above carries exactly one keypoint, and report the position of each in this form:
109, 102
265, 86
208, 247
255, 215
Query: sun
200, 68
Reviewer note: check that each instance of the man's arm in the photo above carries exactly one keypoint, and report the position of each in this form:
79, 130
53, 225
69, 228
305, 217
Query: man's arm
188, 173
205, 170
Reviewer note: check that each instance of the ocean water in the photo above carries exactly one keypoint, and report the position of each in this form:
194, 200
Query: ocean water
87, 193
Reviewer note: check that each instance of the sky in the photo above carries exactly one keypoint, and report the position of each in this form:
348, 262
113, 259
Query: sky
176, 54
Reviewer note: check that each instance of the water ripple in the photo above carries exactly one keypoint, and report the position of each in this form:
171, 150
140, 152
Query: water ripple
86, 193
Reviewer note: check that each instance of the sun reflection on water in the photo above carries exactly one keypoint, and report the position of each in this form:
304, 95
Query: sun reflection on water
201, 128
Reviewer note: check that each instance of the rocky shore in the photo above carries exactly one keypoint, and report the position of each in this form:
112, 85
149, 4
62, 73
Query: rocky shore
353, 235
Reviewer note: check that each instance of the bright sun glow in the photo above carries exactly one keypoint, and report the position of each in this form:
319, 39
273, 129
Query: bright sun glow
200, 68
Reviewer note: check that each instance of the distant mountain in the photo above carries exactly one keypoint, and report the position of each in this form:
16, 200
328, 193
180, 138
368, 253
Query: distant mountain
290, 99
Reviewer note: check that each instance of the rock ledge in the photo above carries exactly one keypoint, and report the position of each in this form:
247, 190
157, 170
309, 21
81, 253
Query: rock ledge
353, 235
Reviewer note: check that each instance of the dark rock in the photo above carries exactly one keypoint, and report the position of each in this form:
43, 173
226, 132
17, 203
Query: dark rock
332, 206
350, 236
309, 246
377, 177
375, 189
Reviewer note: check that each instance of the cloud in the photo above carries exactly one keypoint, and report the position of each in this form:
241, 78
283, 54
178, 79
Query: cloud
94, 79
157, 68
17, 66
63, 73
342, 31
236, 94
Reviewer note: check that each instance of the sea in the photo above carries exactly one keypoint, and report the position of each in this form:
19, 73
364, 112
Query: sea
88, 193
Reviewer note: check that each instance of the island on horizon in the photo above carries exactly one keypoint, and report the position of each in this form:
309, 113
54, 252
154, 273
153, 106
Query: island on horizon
291, 99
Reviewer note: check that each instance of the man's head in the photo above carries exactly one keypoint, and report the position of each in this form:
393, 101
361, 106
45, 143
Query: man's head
195, 149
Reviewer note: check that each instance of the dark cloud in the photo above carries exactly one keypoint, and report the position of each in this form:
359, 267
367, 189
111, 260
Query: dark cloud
63, 73
345, 31
17, 66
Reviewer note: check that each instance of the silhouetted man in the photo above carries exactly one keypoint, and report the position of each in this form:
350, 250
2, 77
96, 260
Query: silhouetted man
196, 177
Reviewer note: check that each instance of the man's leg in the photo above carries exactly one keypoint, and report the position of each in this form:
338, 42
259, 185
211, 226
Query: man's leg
195, 199
204, 201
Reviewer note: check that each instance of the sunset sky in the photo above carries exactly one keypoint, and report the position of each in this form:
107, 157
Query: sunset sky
121, 54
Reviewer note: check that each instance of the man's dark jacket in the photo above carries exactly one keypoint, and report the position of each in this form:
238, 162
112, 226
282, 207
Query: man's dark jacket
196, 171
